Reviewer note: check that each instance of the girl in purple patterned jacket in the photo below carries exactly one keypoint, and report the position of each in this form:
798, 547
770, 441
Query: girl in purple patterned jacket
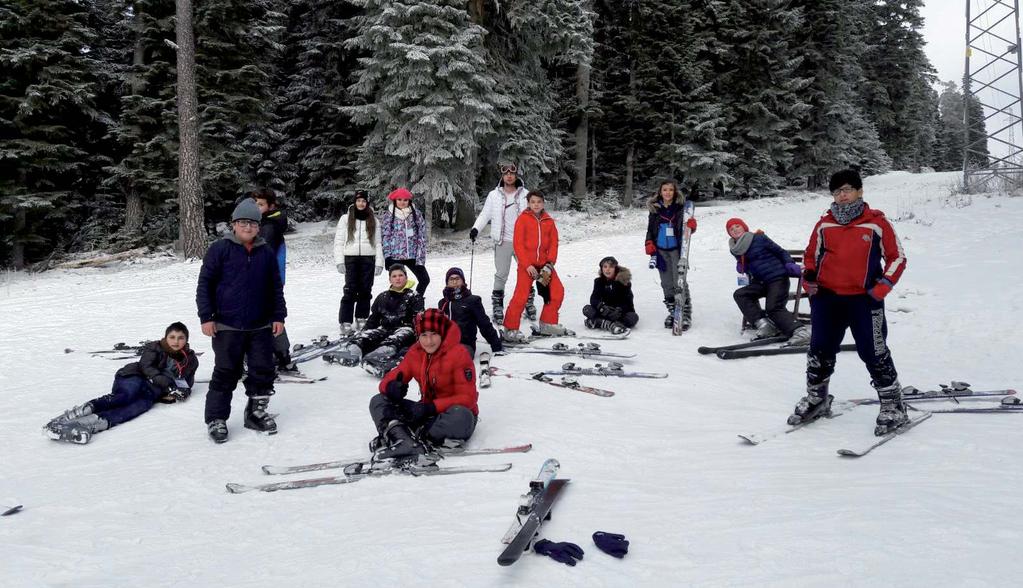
403, 233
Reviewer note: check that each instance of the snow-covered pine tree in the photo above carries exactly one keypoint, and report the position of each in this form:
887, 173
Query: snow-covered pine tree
897, 91
316, 151
238, 47
757, 85
835, 132
430, 98
952, 131
49, 122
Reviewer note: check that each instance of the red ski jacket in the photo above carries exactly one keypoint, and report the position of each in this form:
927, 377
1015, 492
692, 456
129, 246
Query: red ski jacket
536, 239
847, 258
446, 378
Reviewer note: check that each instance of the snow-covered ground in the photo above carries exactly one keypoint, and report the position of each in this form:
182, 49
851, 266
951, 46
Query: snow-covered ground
144, 504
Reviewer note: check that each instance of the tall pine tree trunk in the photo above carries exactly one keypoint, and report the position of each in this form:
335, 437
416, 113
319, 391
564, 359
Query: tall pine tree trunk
582, 95
134, 214
191, 221
630, 167
18, 243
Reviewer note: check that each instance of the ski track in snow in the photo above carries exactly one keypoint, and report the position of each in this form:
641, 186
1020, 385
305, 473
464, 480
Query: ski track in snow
145, 504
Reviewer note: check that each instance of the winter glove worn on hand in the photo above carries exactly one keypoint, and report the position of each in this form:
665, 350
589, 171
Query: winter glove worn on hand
546, 274
415, 412
880, 289
565, 552
793, 269
473, 233
396, 389
611, 543
610, 312
341, 268
691, 223
739, 267
650, 248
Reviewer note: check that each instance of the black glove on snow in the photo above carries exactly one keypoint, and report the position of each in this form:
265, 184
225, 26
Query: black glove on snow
565, 552
396, 389
611, 543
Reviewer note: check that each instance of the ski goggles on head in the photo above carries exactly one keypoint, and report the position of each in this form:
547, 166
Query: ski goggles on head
509, 168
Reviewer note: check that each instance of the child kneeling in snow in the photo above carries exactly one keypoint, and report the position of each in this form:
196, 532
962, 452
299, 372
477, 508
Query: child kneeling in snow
769, 268
611, 307
165, 372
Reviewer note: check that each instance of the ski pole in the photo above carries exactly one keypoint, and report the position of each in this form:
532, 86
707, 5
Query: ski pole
472, 257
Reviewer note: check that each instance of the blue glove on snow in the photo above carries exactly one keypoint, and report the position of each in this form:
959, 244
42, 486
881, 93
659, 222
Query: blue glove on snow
611, 543
565, 552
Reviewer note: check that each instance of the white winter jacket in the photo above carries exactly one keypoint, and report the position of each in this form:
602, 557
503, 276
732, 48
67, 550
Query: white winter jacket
493, 212
359, 245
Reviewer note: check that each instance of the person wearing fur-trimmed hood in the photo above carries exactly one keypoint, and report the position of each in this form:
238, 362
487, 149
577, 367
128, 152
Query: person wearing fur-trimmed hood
611, 306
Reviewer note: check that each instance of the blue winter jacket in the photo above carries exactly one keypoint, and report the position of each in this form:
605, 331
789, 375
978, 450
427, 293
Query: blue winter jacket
239, 288
765, 260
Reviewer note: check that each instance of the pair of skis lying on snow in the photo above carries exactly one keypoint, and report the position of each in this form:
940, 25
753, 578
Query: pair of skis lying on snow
957, 392
757, 348
357, 469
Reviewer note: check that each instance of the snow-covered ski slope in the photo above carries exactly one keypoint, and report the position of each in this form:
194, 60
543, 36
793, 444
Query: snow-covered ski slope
145, 505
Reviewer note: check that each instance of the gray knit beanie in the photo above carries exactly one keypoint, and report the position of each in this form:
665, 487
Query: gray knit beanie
246, 210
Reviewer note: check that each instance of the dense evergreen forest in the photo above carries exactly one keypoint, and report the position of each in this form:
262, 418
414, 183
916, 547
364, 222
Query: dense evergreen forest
594, 100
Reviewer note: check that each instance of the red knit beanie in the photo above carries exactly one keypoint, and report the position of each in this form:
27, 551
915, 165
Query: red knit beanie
433, 320
736, 221
400, 194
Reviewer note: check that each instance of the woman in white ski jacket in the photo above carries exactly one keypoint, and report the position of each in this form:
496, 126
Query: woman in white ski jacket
358, 254
502, 208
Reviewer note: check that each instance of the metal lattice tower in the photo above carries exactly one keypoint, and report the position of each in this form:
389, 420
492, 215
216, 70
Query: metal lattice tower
994, 78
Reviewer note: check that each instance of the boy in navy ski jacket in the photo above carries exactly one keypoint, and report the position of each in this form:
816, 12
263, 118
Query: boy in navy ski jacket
241, 305
769, 268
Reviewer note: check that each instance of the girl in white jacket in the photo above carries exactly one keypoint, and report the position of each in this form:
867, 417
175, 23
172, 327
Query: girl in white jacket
502, 208
359, 256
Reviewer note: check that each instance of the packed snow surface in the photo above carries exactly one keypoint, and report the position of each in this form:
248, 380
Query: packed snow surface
144, 504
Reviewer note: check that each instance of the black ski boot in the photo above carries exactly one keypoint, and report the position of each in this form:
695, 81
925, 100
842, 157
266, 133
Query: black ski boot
530, 306
399, 445
816, 404
497, 299
893, 411
217, 429
256, 417
78, 431
669, 322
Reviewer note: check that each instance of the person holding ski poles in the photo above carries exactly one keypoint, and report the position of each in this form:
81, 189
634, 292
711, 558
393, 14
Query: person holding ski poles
501, 209
664, 240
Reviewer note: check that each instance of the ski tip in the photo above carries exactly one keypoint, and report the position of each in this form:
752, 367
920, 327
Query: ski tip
750, 439
849, 453
238, 488
11, 510
268, 469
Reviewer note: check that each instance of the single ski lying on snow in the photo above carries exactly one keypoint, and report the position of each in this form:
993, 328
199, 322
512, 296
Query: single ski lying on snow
442, 451
483, 376
910, 394
581, 350
548, 471
679, 324
837, 410
283, 378
783, 350
9, 510
537, 512
1008, 405
611, 369
348, 478
745, 345
565, 382
886, 438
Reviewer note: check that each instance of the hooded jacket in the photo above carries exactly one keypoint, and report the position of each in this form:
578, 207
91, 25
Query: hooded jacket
160, 369
616, 292
239, 287
847, 259
493, 210
445, 378
466, 310
392, 309
659, 213
536, 239
403, 238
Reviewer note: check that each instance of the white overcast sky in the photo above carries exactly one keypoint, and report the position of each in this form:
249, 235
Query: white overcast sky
945, 32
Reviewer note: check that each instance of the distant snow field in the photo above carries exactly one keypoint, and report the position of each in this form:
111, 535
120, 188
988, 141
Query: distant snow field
144, 504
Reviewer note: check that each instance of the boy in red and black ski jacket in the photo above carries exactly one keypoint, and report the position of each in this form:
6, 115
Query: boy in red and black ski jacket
853, 260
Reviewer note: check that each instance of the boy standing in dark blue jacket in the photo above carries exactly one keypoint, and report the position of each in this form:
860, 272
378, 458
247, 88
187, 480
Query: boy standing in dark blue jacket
769, 268
241, 305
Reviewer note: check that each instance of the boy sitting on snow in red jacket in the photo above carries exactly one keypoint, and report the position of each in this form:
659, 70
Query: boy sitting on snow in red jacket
447, 387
